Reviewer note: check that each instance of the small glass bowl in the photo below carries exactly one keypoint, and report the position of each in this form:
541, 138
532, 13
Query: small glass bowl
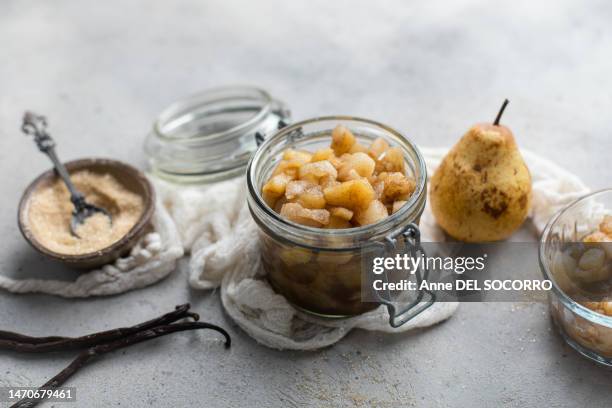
587, 331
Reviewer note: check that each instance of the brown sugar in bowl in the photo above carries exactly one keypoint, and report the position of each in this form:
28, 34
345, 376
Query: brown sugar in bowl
130, 178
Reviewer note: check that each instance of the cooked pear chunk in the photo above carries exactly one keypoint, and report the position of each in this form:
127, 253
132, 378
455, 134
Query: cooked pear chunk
297, 156
305, 216
314, 172
350, 194
391, 161
305, 193
396, 186
375, 212
357, 147
342, 140
322, 154
356, 165
377, 148
275, 188
341, 212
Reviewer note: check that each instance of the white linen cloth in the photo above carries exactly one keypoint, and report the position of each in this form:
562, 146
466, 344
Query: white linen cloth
213, 224
222, 238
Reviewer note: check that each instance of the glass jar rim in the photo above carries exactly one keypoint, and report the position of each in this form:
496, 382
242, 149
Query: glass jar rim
210, 136
574, 306
179, 109
416, 199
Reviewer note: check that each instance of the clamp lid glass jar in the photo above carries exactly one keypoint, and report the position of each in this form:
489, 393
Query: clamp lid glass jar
320, 270
211, 136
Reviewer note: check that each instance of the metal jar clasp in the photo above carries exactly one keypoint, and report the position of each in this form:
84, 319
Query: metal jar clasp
399, 315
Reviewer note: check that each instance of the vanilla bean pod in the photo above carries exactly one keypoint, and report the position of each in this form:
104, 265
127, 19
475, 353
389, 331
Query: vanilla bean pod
103, 342
28, 344
139, 337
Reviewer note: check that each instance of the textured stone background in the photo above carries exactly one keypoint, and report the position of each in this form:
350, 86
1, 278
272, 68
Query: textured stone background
102, 70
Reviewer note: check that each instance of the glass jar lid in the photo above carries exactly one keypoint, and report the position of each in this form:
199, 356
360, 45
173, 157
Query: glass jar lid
211, 136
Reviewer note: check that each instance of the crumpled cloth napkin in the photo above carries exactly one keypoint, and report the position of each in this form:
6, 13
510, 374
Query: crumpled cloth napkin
216, 227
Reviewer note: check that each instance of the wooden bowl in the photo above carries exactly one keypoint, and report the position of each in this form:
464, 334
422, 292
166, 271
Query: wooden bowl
131, 178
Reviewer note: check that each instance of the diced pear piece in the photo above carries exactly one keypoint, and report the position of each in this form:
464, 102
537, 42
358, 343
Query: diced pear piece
322, 154
363, 163
314, 172
287, 167
375, 212
277, 184
270, 199
305, 193
350, 194
341, 212
377, 148
300, 215
592, 266
312, 198
297, 187
594, 275
297, 156
396, 186
342, 140
326, 154
391, 161
291, 162
275, 188
592, 259
356, 165
357, 147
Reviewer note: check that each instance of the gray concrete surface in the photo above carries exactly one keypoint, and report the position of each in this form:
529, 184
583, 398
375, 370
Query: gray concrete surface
102, 70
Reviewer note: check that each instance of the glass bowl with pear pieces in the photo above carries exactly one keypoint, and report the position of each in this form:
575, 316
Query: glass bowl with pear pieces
576, 255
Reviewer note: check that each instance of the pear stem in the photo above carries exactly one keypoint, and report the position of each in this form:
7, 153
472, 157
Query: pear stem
501, 112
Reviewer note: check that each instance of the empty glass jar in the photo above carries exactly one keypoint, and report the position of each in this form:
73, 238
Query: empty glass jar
211, 136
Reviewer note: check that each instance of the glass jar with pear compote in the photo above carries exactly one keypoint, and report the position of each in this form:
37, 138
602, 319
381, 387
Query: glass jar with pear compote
319, 270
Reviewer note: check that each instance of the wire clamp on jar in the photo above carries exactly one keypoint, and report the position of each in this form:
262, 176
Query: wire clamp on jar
425, 298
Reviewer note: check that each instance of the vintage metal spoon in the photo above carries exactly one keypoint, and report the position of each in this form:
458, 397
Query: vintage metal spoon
36, 125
